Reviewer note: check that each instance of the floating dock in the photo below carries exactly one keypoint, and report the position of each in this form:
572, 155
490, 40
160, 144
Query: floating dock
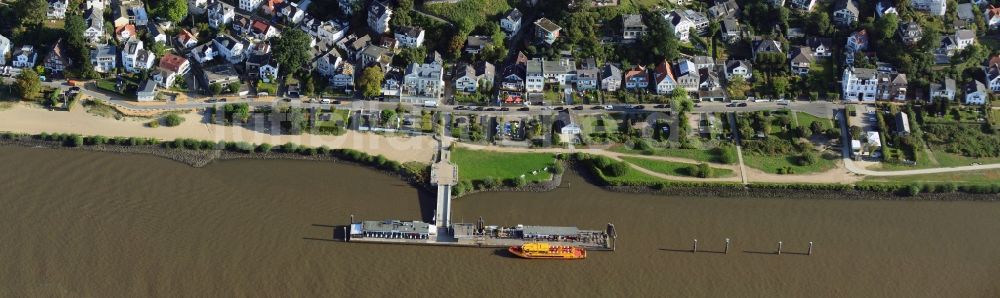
477, 234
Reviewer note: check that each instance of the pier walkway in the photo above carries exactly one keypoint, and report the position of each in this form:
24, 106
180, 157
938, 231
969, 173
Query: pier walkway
444, 175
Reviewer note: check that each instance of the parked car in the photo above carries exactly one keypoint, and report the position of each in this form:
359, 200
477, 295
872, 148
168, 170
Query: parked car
459, 108
638, 107
660, 106
505, 109
559, 108
578, 107
742, 104
524, 109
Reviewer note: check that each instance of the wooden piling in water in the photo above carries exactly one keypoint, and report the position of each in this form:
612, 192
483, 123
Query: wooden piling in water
694, 247
727, 247
347, 237
779, 248
810, 248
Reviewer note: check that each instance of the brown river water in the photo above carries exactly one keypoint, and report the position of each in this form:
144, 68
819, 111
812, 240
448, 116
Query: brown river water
87, 224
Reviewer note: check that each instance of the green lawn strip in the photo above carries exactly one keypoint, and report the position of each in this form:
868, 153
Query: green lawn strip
673, 168
966, 177
771, 164
705, 155
469, 14
806, 120
478, 165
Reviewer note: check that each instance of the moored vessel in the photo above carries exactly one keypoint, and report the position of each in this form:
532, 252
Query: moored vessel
536, 250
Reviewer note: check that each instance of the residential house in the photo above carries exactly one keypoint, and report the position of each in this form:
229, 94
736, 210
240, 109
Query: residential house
261, 67
468, 76
221, 74
229, 47
378, 17
702, 62
730, 30
740, 68
327, 32
241, 25
203, 53
262, 30
186, 39
135, 58
57, 60
220, 14
857, 42
934, 7
684, 21
156, 33
291, 13
902, 124
511, 22
803, 5
822, 48
94, 4
884, 7
611, 77
587, 75
343, 78
94, 20
632, 27
723, 9
57, 9
24, 57
347, 7
686, 75
423, 80
5, 48
976, 93
271, 7
163, 78
476, 43
966, 17
104, 58
943, 90
514, 73
327, 63
992, 15
129, 12
892, 86
250, 5
663, 78
708, 80
391, 83
766, 46
951, 44
801, 59
859, 84
146, 91
636, 78
845, 12
910, 33
373, 54
410, 37
546, 31
125, 33
353, 45
195, 7
175, 63
561, 72
993, 73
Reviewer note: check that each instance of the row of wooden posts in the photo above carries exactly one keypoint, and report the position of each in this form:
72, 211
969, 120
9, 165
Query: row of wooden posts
694, 247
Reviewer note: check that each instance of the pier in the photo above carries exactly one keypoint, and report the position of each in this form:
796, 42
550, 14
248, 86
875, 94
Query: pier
443, 232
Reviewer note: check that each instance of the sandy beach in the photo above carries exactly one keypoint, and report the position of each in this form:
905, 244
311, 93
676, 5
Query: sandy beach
25, 118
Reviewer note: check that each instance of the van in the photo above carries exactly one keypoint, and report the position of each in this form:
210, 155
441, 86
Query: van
325, 101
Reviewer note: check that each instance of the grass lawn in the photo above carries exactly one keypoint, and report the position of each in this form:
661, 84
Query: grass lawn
477, 165
806, 120
631, 177
968, 177
673, 168
554, 97
705, 155
588, 124
469, 14
771, 164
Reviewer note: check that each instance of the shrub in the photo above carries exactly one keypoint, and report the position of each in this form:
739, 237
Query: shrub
704, 171
265, 147
807, 158
172, 120
289, 148
76, 141
324, 150
615, 169
244, 147
912, 190
153, 123
557, 168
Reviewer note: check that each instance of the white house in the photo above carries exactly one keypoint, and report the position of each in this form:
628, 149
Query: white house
741, 68
327, 63
229, 47
24, 57
5, 48
410, 37
511, 22
992, 16
859, 84
976, 93
250, 5
611, 77
805, 5
95, 4
326, 32
845, 12
94, 20
203, 53
534, 77
104, 58
663, 78
632, 26
344, 76
378, 17
684, 21
135, 58
146, 91
57, 9
220, 14
423, 80
163, 78
468, 76
934, 7
945, 90
800, 60
993, 73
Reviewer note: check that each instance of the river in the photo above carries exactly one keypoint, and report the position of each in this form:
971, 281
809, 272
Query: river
79, 223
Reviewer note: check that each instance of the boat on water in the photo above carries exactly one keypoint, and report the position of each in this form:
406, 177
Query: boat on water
537, 250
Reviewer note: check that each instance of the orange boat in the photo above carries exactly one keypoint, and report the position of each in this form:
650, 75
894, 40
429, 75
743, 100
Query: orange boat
546, 251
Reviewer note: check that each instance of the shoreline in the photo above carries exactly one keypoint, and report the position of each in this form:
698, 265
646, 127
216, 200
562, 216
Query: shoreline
202, 158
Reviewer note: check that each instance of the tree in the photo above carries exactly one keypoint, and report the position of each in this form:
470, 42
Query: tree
659, 42
820, 21
388, 117
291, 50
886, 26
171, 10
738, 87
780, 85
370, 81
172, 120
215, 88
234, 87
31, 12
29, 85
